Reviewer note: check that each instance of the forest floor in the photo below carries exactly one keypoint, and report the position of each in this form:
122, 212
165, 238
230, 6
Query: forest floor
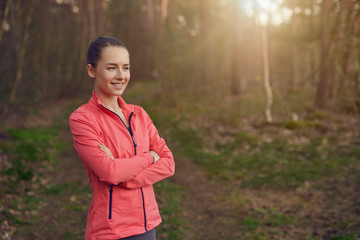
213, 195
221, 207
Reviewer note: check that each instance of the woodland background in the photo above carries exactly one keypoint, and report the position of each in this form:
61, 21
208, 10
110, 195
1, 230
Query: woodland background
190, 47
259, 100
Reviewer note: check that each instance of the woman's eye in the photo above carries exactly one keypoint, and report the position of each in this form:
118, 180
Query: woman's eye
111, 68
126, 68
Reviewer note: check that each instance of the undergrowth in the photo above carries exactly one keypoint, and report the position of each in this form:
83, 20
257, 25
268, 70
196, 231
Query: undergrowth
256, 162
29, 148
168, 199
27, 154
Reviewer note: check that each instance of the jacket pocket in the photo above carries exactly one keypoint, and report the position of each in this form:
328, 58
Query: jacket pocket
110, 199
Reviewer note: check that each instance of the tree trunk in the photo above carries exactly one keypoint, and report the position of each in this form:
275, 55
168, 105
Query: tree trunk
294, 52
322, 88
266, 69
20, 64
56, 85
205, 39
356, 63
237, 68
348, 40
83, 41
100, 9
164, 12
150, 13
4, 19
312, 72
92, 23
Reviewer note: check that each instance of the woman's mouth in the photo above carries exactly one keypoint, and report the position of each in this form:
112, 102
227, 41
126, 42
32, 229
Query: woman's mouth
118, 85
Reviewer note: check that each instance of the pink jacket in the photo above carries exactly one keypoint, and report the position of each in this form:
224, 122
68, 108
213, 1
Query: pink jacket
123, 202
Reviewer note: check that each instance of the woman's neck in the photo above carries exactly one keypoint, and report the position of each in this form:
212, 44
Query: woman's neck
110, 103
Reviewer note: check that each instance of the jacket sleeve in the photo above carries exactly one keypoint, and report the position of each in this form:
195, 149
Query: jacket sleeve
113, 171
163, 168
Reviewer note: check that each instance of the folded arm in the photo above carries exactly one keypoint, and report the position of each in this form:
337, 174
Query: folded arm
87, 141
162, 168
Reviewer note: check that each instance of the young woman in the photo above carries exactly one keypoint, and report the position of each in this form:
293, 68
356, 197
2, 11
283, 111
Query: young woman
120, 149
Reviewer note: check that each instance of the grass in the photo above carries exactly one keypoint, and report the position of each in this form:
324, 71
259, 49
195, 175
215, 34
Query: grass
260, 223
257, 163
168, 199
251, 224
29, 154
29, 148
30, 151
55, 189
344, 237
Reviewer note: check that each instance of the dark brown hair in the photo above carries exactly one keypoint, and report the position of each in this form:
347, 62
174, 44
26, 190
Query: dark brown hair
94, 51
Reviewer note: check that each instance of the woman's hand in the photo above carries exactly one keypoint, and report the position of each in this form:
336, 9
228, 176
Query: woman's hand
106, 150
155, 155
109, 154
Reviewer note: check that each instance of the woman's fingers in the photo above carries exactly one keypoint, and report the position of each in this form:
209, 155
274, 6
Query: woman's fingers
155, 155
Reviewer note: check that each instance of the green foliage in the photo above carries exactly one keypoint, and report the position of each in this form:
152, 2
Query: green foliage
300, 124
168, 197
74, 206
55, 189
27, 148
251, 224
344, 237
28, 152
269, 219
258, 163
68, 235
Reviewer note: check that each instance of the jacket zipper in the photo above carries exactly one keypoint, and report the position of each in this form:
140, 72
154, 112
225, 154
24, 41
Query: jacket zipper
141, 190
111, 185
110, 200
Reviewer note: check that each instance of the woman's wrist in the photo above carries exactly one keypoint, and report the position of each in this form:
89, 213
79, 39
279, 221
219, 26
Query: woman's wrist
155, 155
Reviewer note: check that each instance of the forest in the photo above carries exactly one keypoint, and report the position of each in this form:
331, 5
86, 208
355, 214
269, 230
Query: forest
259, 101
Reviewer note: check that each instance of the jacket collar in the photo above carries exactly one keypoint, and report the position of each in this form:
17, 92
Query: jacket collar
128, 108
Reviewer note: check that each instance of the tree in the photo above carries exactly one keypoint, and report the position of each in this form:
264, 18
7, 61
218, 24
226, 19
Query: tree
323, 84
266, 61
20, 67
238, 54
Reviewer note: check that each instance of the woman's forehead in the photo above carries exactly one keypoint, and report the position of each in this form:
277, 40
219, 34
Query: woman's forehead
115, 55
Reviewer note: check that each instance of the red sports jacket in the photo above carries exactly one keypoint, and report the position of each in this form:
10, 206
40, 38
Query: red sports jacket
123, 202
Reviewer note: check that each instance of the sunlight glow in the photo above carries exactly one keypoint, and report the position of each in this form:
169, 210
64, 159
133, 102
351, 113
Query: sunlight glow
269, 11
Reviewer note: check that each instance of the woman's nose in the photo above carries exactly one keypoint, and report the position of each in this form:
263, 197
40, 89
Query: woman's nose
120, 74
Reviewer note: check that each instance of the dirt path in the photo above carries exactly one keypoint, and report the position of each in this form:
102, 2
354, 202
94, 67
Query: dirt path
205, 212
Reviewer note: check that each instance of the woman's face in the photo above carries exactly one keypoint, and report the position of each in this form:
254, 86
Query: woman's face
112, 72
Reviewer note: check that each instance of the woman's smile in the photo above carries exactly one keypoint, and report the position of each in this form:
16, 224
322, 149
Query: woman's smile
112, 73
118, 85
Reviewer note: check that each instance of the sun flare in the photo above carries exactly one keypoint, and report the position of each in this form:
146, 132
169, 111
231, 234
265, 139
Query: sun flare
267, 8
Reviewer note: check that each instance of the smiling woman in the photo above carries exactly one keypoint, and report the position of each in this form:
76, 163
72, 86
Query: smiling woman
111, 75
120, 149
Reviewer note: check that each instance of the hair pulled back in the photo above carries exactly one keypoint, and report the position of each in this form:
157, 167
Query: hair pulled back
94, 51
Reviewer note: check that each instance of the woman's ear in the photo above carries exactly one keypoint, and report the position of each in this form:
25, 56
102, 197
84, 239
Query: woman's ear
91, 71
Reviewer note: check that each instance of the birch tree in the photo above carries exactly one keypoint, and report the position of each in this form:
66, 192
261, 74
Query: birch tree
266, 61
